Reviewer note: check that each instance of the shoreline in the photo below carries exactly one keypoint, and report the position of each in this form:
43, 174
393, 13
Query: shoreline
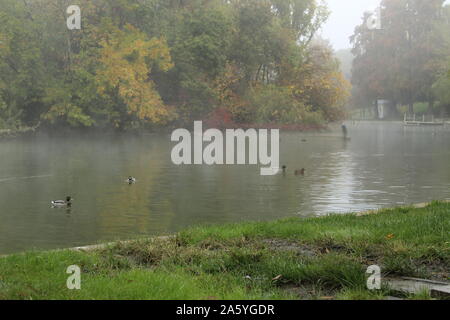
99, 246
37, 130
308, 258
105, 245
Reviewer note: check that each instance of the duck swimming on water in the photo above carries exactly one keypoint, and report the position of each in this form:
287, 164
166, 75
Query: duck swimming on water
300, 172
131, 180
63, 203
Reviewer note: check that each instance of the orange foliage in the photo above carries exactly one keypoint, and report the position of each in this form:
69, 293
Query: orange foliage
126, 61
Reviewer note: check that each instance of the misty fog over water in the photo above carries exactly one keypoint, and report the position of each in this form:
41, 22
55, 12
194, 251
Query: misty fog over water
384, 164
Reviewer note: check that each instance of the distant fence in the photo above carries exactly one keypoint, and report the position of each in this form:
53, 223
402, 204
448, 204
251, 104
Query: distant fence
413, 119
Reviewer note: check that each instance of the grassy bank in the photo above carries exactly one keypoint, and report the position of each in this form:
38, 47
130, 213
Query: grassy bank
317, 258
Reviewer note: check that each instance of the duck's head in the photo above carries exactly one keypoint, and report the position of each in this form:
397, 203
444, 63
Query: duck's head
69, 199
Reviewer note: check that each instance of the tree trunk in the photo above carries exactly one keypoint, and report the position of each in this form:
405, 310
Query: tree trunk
411, 108
430, 106
257, 74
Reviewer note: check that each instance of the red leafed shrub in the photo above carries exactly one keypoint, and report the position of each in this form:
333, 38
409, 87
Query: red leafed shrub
220, 118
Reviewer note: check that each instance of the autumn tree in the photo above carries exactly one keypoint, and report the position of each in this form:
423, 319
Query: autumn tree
400, 62
127, 58
151, 63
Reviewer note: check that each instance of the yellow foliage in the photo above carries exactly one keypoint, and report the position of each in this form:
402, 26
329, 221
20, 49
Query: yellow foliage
324, 88
126, 62
4, 45
224, 89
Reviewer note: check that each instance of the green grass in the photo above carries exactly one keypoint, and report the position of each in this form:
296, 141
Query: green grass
294, 258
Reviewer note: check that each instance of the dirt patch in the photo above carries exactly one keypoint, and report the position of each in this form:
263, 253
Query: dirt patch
437, 270
292, 246
309, 292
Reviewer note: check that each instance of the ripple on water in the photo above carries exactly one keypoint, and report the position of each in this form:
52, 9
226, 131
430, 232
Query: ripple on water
381, 167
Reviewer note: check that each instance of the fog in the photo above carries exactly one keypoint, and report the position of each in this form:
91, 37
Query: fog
258, 149
90, 97
345, 16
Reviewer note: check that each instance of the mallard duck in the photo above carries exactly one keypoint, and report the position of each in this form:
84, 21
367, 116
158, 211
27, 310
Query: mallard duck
131, 180
63, 203
300, 172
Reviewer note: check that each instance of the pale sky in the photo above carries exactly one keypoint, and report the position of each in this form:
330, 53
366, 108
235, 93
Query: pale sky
345, 16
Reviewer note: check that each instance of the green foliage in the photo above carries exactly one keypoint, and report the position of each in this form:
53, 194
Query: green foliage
441, 90
403, 60
62, 110
275, 104
151, 63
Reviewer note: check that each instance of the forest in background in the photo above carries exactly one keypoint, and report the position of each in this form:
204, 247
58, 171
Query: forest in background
406, 60
159, 63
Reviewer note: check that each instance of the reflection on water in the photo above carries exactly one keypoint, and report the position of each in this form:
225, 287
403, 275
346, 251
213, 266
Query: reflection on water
384, 164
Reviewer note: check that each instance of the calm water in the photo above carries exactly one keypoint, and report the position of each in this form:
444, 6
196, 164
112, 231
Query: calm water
385, 164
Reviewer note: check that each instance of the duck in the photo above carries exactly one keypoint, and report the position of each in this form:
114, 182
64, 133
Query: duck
300, 172
131, 180
63, 203
270, 171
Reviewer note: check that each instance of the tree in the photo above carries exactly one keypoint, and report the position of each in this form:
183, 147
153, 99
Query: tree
127, 59
401, 61
320, 83
149, 63
441, 88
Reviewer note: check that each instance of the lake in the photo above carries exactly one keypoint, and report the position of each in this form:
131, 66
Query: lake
384, 164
